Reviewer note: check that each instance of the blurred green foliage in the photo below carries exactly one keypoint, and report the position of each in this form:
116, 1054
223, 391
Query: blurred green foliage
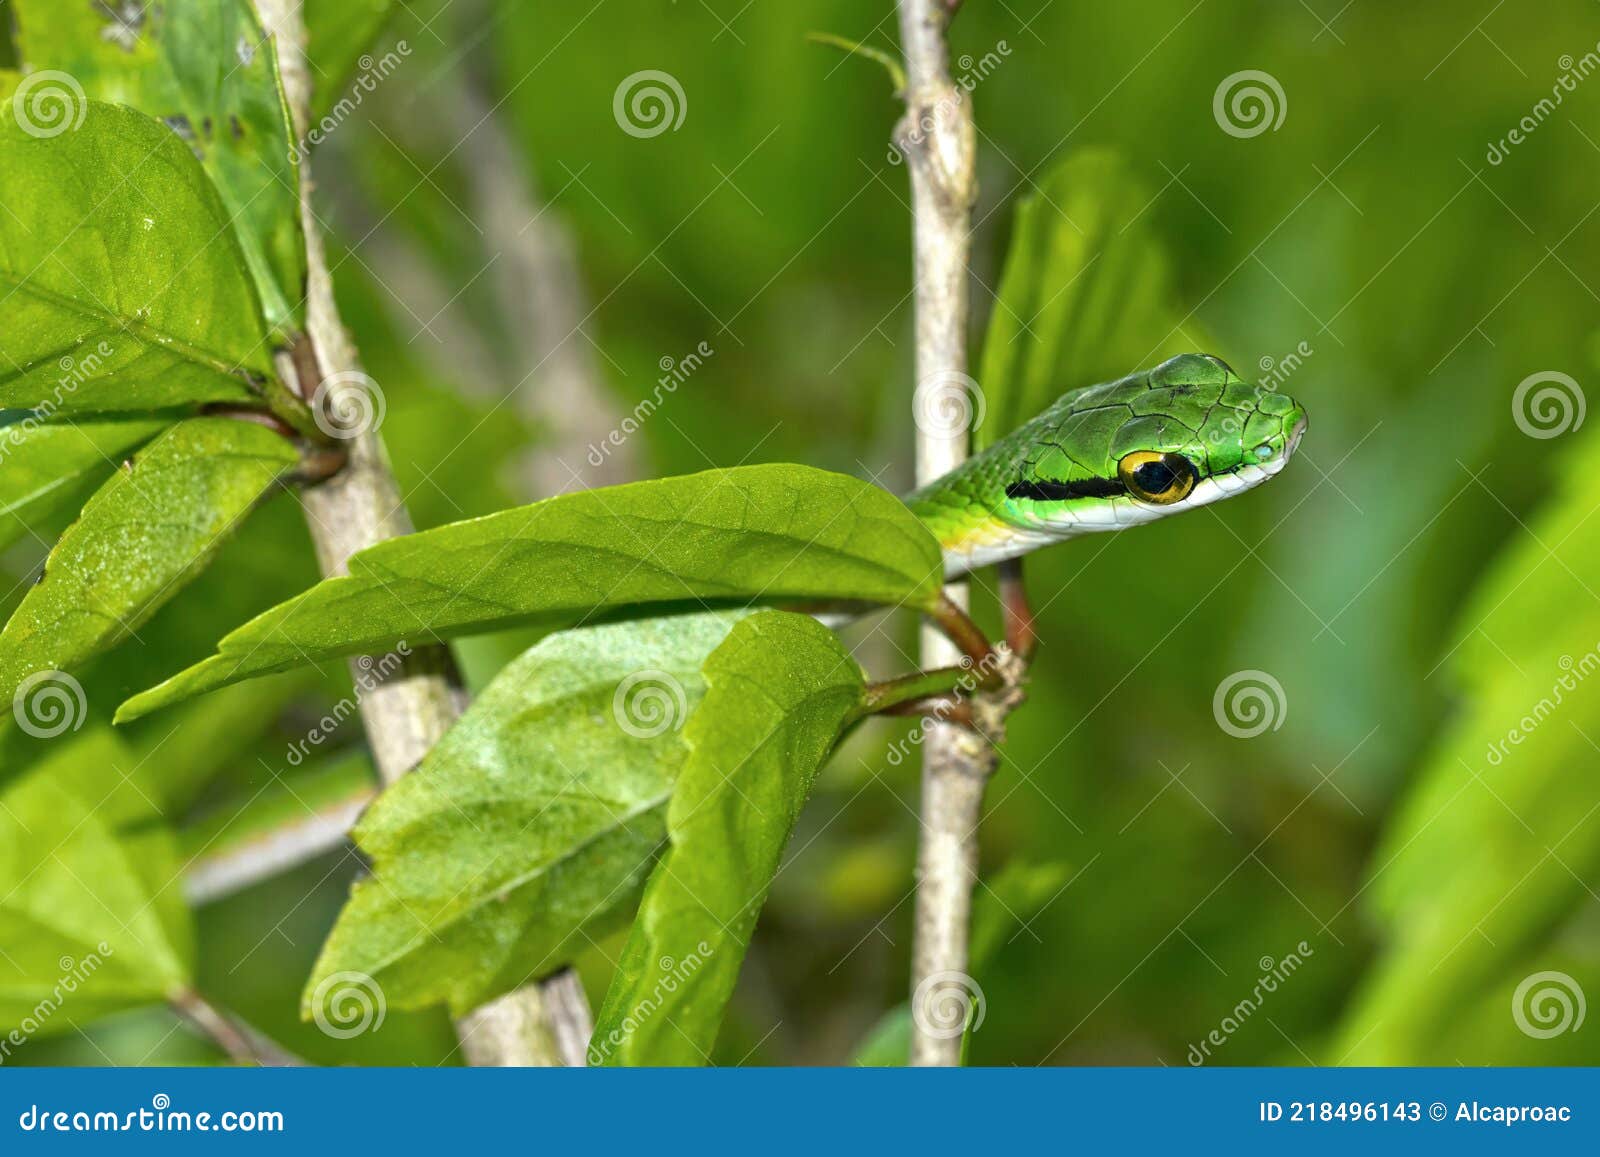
1412, 581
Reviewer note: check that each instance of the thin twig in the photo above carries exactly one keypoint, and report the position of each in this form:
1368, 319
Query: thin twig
1020, 634
936, 137
358, 507
244, 1045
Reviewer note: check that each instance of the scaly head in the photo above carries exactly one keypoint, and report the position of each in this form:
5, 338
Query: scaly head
1119, 454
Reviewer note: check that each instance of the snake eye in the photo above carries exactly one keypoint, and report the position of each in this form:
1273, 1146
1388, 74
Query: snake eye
1159, 478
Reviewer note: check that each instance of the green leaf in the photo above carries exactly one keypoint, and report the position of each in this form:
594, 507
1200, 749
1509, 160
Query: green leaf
753, 533
208, 69
1085, 291
528, 830
92, 921
337, 33
1003, 906
140, 539
779, 693
116, 252
45, 467
1486, 855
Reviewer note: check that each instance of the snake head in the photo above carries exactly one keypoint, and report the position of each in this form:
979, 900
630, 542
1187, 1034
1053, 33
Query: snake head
1184, 434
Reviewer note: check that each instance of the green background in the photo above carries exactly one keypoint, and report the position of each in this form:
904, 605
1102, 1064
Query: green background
1411, 581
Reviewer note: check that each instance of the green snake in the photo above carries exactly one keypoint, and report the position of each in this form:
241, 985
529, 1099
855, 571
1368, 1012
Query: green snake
1187, 433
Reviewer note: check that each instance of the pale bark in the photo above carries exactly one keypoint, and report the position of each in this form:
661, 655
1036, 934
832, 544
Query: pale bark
361, 506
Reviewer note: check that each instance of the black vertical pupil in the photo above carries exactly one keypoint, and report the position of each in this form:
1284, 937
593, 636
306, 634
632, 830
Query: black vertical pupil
1155, 477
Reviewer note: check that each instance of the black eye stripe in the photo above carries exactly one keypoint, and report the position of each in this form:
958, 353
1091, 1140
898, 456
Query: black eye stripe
1050, 490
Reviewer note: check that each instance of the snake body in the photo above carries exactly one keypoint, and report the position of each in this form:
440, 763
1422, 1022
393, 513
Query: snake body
1187, 433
